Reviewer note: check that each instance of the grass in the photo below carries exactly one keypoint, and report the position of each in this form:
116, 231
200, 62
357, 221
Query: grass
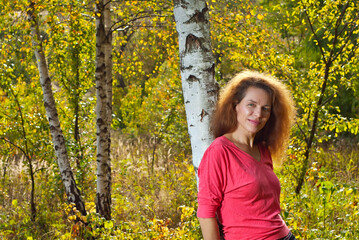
154, 197
327, 207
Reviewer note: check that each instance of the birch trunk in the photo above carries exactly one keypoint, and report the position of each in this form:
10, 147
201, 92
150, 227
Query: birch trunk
103, 106
197, 65
72, 192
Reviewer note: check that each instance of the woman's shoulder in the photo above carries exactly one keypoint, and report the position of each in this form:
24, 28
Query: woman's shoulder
221, 146
221, 141
217, 154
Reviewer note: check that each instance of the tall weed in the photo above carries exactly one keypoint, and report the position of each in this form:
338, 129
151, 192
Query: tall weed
327, 207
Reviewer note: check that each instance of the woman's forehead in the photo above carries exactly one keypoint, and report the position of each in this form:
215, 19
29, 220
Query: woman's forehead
257, 95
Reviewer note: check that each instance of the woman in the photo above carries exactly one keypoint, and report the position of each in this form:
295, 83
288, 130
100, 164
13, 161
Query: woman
237, 185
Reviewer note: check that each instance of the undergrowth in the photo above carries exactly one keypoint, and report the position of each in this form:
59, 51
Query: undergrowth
154, 197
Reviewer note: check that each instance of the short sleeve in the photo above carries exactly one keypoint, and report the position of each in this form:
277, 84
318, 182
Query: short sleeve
212, 181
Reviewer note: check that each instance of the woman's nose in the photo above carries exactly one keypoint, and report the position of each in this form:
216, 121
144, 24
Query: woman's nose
258, 112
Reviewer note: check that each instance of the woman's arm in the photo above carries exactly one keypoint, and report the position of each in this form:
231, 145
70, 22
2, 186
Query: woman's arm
209, 228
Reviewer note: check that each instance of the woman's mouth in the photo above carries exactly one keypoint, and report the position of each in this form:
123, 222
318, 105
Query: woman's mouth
254, 122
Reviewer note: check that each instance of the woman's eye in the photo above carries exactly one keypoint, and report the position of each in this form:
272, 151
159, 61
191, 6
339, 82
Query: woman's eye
266, 109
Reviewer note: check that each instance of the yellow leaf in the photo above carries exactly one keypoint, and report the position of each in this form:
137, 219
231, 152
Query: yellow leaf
260, 17
349, 191
108, 224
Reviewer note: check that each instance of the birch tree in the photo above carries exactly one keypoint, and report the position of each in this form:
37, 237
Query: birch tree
103, 77
197, 66
72, 192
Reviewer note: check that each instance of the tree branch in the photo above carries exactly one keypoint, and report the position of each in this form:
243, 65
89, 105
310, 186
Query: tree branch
347, 39
315, 35
14, 144
336, 34
301, 130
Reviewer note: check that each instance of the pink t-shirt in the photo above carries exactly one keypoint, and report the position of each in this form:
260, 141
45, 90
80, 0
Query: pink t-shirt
243, 192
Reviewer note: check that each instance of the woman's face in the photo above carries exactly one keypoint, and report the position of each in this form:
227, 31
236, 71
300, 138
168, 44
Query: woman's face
253, 111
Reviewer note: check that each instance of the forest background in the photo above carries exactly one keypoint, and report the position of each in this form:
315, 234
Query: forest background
311, 45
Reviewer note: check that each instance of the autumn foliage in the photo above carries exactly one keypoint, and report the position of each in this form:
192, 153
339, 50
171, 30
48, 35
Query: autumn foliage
312, 46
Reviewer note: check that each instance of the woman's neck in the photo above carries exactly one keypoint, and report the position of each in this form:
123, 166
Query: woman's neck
245, 144
241, 139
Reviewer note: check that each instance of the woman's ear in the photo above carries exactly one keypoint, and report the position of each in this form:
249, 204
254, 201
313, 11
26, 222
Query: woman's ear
235, 104
236, 108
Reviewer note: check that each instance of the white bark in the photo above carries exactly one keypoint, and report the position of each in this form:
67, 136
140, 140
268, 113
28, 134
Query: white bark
197, 64
103, 77
72, 192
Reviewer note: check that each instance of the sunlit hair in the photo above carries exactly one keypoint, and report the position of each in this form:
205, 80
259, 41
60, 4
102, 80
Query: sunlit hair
275, 134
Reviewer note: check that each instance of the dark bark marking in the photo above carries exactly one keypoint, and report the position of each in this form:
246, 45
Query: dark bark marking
101, 68
103, 203
193, 43
192, 79
211, 69
180, 2
203, 114
214, 91
189, 68
100, 121
199, 16
46, 82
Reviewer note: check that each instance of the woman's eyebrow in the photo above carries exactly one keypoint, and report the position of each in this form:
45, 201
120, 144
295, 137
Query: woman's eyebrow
250, 100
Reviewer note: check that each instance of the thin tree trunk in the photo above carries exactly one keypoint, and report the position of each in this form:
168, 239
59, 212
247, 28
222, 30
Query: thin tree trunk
72, 192
103, 106
28, 158
197, 65
312, 133
328, 60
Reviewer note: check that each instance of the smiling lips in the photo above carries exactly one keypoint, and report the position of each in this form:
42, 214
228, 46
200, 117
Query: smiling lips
254, 122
